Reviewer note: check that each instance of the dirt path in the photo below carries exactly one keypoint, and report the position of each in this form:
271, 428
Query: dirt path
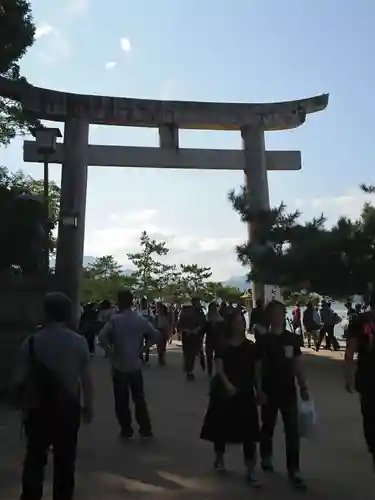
178, 465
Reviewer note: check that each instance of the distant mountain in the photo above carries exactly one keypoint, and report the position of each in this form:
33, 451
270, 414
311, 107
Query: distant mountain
88, 259
239, 282
127, 272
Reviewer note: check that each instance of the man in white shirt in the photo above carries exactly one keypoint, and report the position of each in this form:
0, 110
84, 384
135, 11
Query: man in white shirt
122, 338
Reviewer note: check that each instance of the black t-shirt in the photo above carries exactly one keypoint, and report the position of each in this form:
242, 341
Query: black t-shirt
214, 333
239, 364
278, 352
362, 328
258, 317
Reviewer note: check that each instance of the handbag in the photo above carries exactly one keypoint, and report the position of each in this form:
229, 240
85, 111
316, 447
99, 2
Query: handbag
307, 419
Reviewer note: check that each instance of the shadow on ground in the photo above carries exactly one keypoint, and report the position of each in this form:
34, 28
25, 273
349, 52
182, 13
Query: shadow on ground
178, 465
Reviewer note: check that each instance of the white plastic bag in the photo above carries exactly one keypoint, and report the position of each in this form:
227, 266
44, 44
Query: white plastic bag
307, 418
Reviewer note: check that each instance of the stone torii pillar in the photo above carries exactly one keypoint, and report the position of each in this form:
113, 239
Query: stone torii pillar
256, 185
71, 231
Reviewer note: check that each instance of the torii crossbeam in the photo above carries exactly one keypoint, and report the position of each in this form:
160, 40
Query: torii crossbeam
79, 111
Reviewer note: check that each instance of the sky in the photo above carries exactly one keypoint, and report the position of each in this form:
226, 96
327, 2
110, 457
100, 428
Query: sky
222, 51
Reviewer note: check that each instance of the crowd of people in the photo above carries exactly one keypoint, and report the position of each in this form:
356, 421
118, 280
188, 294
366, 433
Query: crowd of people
250, 382
316, 323
170, 320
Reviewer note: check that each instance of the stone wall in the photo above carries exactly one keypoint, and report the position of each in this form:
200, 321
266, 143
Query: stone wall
21, 301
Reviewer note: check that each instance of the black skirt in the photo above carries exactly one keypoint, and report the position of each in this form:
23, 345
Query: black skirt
231, 419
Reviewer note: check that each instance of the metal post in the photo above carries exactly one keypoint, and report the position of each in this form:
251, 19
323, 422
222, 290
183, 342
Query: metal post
46, 210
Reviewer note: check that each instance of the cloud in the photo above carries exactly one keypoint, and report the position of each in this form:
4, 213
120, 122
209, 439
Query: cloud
349, 205
56, 47
121, 236
125, 44
110, 64
43, 30
143, 216
76, 8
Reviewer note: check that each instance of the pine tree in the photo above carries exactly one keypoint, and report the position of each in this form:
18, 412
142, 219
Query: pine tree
17, 32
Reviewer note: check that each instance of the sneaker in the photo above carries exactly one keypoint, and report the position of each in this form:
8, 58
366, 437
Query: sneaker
252, 479
297, 481
146, 435
219, 465
127, 435
267, 464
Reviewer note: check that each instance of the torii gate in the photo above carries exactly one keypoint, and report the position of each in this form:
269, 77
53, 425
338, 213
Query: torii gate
78, 111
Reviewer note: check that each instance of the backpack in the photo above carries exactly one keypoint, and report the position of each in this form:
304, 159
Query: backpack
309, 320
42, 389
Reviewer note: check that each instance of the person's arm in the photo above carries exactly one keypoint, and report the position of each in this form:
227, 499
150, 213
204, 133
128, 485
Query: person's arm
252, 319
349, 363
104, 337
301, 378
353, 333
197, 330
258, 377
180, 321
219, 368
152, 333
337, 319
299, 372
22, 366
87, 382
304, 320
202, 323
258, 373
183, 323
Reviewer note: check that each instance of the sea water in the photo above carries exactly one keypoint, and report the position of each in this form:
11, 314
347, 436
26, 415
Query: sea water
339, 309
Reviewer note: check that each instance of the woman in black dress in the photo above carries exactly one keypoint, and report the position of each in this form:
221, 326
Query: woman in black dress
232, 415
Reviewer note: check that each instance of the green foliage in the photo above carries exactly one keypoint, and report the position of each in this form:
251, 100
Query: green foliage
103, 279
17, 33
303, 297
103, 268
152, 278
18, 182
150, 273
337, 261
194, 278
227, 293
184, 282
22, 227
